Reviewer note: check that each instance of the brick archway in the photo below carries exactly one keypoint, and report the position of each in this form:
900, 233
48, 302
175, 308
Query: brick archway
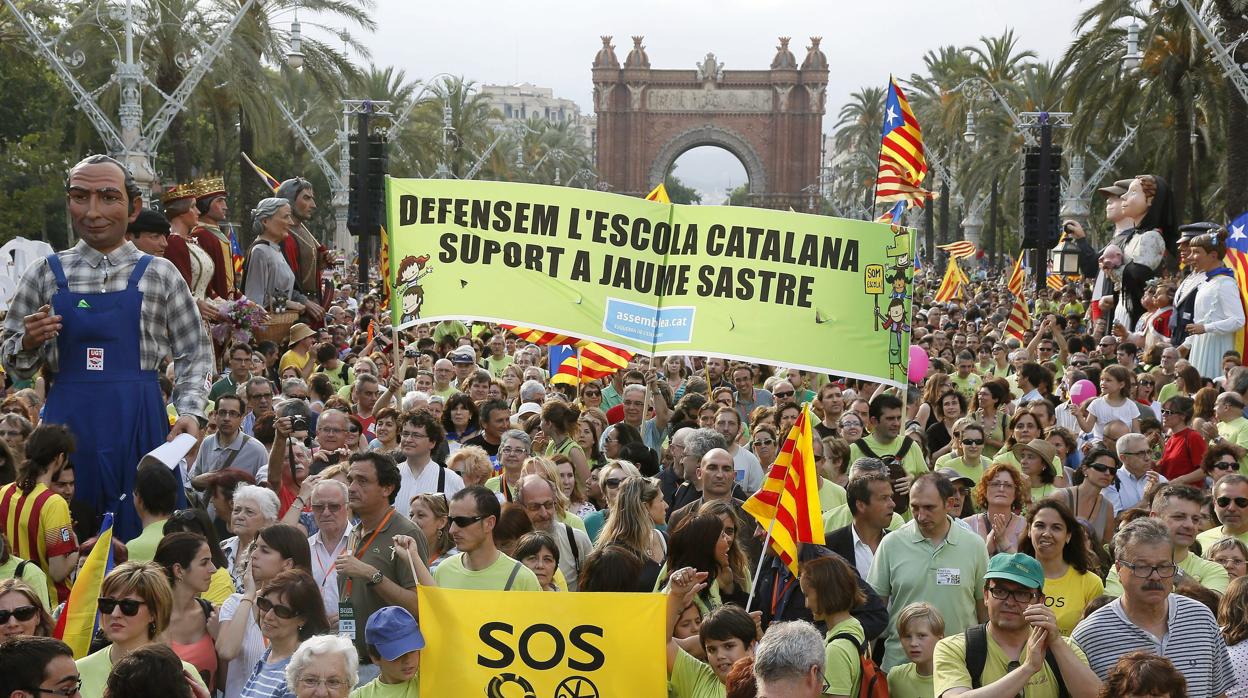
714, 136
771, 120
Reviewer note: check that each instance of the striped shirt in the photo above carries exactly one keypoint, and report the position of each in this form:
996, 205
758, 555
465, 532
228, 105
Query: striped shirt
38, 528
170, 324
1192, 643
268, 680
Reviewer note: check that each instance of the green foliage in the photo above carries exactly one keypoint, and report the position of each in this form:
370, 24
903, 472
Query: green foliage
681, 193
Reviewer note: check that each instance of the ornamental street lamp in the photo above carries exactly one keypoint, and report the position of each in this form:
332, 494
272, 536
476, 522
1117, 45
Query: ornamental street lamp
1131, 59
1064, 259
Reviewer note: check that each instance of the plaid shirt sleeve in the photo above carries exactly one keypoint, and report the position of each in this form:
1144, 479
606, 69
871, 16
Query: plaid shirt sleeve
33, 290
185, 337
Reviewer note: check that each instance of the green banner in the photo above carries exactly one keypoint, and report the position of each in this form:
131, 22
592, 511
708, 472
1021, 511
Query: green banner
789, 289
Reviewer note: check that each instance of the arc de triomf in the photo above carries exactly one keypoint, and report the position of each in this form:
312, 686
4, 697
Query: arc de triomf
771, 120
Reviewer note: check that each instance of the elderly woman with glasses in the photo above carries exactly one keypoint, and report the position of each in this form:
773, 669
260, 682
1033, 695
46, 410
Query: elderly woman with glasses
325, 666
134, 606
513, 448
269, 280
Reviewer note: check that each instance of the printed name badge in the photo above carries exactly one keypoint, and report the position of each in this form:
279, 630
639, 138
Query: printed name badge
346, 620
95, 359
948, 576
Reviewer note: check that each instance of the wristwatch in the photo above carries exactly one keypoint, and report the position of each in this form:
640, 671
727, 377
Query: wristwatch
375, 579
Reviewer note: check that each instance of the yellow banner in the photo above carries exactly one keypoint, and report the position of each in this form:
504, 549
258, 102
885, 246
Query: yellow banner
541, 644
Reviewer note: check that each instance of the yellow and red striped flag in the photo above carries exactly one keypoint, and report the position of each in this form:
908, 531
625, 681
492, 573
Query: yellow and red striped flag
962, 249
541, 338
591, 362
1055, 281
659, 194
901, 139
383, 263
1020, 319
77, 623
893, 183
951, 286
787, 504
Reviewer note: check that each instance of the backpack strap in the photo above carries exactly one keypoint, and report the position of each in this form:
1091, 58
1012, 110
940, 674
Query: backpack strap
976, 653
906, 443
846, 636
442, 479
1057, 674
511, 579
576, 553
21, 569
206, 606
866, 450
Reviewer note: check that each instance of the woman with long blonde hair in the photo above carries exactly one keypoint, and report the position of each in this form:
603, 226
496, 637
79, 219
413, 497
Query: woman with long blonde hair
632, 523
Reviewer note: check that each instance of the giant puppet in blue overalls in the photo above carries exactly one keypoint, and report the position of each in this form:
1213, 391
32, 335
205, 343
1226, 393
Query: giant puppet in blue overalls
113, 407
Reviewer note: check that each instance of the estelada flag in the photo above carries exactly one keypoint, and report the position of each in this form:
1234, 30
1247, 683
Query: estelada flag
787, 504
961, 249
77, 624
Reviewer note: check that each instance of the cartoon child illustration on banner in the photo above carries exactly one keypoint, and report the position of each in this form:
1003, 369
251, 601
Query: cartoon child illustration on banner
895, 319
411, 270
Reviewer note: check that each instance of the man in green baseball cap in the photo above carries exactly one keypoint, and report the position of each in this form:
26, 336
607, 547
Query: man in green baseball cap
1019, 651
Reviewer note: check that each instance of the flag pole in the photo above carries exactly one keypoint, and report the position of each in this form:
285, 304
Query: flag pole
879, 152
759, 568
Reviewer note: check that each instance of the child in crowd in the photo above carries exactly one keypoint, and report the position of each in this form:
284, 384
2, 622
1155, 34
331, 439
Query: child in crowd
920, 626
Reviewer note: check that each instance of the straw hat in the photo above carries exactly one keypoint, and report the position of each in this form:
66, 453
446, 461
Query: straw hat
299, 332
1040, 447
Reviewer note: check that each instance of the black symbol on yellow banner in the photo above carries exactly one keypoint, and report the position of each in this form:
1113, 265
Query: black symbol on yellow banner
576, 687
495, 687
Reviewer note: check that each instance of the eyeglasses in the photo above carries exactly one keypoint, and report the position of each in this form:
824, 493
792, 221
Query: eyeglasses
1148, 383
1227, 465
413, 435
784, 396
764, 442
1241, 502
331, 508
1166, 413
591, 393
261, 396
22, 613
1019, 595
972, 442
329, 430
613, 482
1102, 468
67, 692
129, 607
633, 403
534, 507
332, 684
465, 521
229, 413
1078, 364
513, 451
264, 605
1165, 571
1002, 485
11, 434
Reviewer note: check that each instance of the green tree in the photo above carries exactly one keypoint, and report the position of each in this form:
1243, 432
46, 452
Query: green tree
679, 192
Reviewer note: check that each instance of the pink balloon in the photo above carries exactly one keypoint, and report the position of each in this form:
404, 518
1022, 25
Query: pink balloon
1082, 391
919, 363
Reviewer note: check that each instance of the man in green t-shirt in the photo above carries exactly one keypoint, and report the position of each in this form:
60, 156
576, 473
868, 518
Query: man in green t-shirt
1182, 510
480, 565
727, 634
1012, 646
394, 645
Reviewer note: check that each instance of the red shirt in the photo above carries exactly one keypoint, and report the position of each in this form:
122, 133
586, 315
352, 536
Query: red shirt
1182, 454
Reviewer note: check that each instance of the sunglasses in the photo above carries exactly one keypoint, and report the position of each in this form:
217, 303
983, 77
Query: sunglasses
1102, 468
1227, 465
784, 395
465, 521
1078, 364
764, 442
129, 607
22, 613
331, 508
1241, 502
972, 442
264, 605
613, 482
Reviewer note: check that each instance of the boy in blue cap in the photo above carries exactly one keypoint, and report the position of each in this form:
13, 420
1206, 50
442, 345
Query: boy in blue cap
394, 644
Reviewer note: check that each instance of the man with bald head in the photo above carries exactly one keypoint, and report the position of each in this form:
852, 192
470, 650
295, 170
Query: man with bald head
537, 496
99, 319
443, 377
717, 475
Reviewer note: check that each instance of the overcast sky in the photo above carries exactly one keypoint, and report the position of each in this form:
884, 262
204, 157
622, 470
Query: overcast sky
552, 43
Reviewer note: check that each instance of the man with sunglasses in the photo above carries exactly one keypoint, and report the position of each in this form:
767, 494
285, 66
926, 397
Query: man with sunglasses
480, 564
1019, 651
1148, 617
1181, 509
1230, 502
34, 666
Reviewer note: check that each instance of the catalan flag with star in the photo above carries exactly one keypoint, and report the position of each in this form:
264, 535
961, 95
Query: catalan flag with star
1237, 259
902, 163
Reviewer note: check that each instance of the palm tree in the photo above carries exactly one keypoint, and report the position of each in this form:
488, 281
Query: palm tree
1232, 14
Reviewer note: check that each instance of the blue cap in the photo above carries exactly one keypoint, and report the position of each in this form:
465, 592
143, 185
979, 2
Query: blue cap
394, 632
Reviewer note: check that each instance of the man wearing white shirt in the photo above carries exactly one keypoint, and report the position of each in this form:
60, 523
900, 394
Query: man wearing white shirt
329, 508
419, 435
749, 472
1136, 476
537, 496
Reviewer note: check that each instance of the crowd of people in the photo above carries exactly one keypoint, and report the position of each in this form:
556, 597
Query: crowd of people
1056, 512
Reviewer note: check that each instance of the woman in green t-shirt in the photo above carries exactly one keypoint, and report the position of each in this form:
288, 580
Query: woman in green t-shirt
831, 592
